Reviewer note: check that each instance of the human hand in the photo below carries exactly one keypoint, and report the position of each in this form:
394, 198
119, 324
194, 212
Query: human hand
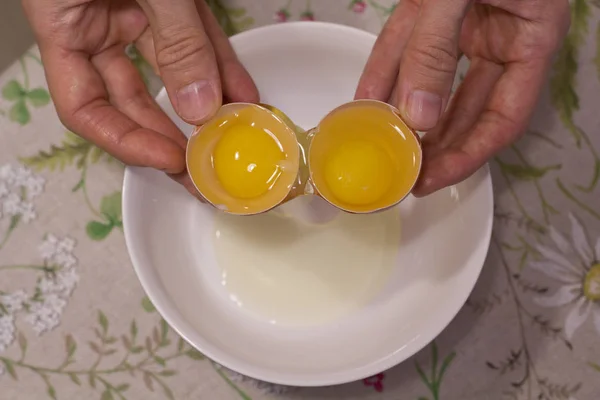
510, 44
100, 95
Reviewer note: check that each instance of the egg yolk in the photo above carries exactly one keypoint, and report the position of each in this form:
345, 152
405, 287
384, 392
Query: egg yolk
247, 161
358, 172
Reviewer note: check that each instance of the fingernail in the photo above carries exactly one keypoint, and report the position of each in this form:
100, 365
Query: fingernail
424, 109
196, 101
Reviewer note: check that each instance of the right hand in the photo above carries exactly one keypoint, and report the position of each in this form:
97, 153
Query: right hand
510, 45
99, 94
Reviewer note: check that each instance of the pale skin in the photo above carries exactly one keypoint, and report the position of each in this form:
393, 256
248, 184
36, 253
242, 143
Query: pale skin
99, 94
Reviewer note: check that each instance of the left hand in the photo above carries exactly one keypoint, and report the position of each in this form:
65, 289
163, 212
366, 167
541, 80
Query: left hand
510, 44
100, 95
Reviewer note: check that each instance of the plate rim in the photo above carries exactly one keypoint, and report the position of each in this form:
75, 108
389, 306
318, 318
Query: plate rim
177, 322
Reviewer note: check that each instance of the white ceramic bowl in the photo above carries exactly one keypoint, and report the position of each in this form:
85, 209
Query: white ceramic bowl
306, 69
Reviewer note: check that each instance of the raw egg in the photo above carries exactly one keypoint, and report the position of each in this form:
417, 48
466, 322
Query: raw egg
363, 157
245, 160
358, 172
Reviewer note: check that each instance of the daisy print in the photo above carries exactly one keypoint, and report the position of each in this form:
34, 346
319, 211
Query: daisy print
575, 265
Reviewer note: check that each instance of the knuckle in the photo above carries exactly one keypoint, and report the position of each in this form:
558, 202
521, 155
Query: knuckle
551, 31
180, 50
546, 44
435, 55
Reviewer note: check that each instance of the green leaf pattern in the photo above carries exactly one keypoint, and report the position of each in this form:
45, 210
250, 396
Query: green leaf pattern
150, 365
433, 380
110, 210
22, 96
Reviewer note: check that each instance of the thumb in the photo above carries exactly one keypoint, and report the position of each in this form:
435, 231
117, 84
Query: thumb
429, 62
185, 58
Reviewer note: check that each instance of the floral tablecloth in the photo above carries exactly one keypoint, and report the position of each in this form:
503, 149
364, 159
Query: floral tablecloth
75, 323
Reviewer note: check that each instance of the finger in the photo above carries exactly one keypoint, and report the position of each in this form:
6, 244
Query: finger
129, 94
429, 62
509, 109
381, 72
237, 84
469, 101
503, 120
82, 104
185, 58
465, 107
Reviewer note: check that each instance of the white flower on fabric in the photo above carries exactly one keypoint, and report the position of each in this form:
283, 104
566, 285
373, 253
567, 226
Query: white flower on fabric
35, 186
45, 315
575, 264
58, 252
27, 212
65, 245
68, 279
7, 174
13, 302
7, 331
61, 283
11, 205
55, 288
21, 175
48, 247
18, 187
3, 190
65, 260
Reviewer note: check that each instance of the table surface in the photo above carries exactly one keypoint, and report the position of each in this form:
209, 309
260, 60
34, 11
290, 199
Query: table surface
75, 323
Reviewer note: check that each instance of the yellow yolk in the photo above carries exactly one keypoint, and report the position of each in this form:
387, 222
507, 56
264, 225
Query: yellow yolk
247, 161
358, 172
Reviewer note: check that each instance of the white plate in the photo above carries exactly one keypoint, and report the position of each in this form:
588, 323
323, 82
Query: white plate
306, 69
